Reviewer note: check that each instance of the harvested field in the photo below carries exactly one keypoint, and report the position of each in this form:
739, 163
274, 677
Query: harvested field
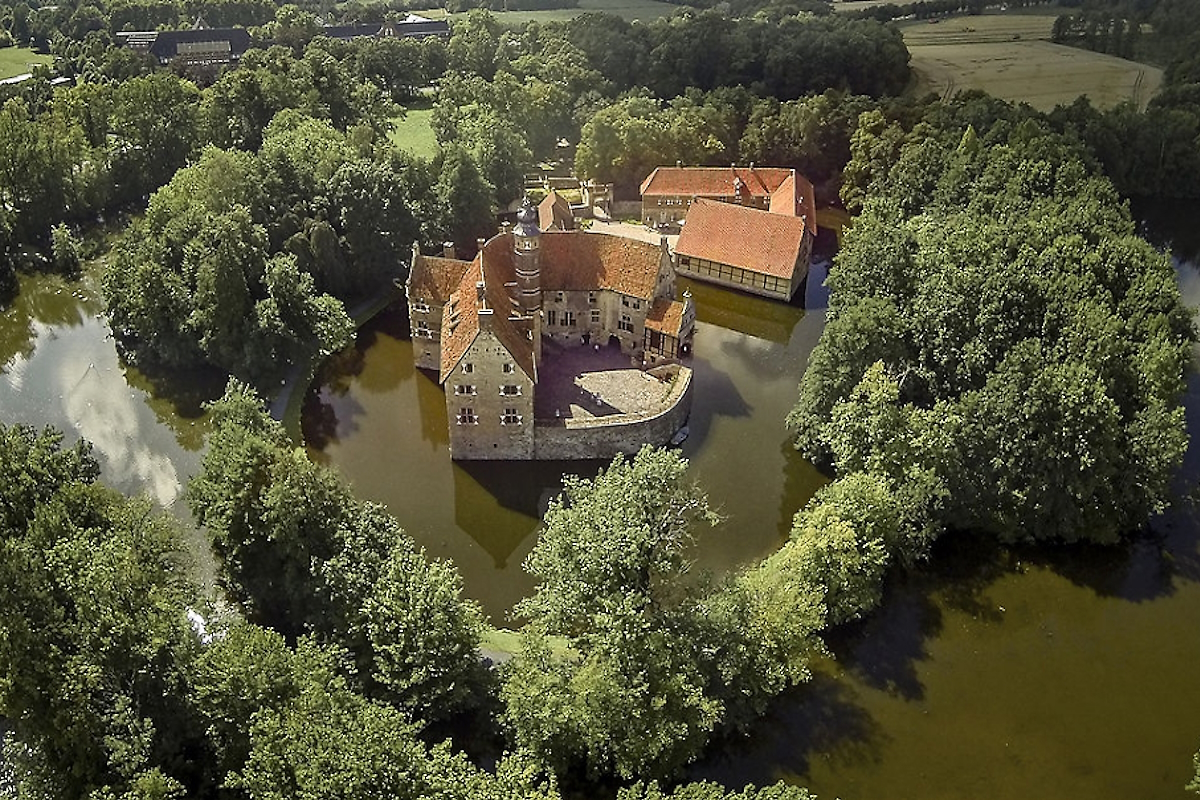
1010, 56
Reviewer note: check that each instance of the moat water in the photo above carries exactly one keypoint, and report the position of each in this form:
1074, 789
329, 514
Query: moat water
990, 673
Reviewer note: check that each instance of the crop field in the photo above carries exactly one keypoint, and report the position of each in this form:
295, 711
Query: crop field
19, 60
628, 9
1010, 56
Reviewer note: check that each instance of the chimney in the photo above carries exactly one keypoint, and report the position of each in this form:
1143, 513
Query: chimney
752, 166
479, 294
679, 163
480, 243
448, 250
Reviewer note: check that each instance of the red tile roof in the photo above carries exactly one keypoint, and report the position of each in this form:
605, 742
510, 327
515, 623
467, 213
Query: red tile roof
666, 316
554, 212
434, 278
743, 237
578, 261
570, 261
461, 320
713, 181
795, 198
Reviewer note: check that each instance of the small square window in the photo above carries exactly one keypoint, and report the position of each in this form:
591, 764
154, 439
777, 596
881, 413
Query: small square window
468, 368
421, 306
509, 369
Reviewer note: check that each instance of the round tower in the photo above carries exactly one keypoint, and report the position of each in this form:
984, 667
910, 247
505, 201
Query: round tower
527, 241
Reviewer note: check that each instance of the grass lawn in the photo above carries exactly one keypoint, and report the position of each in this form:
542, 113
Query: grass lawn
628, 9
19, 60
1011, 56
413, 133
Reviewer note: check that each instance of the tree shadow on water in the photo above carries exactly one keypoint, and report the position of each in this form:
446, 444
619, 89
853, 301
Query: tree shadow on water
819, 719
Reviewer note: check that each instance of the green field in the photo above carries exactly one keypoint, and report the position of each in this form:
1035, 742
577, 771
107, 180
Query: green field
19, 60
1010, 56
413, 133
627, 9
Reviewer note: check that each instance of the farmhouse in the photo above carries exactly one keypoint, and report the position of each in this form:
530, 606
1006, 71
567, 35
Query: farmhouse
196, 47
744, 227
412, 26
496, 327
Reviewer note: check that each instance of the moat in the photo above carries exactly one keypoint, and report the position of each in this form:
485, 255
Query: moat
988, 673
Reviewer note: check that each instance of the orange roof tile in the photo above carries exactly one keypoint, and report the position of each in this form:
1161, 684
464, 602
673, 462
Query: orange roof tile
795, 198
555, 212
433, 278
666, 316
713, 181
461, 321
578, 261
743, 237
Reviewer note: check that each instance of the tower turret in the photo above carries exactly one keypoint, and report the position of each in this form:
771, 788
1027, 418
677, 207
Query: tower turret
527, 258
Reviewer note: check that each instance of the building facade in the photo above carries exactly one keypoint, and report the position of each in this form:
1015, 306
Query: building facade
568, 287
668, 192
746, 228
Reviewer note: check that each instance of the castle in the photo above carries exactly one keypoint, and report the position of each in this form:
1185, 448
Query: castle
492, 328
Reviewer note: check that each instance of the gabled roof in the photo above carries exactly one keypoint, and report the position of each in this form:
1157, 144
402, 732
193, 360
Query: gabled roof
461, 318
666, 316
795, 198
578, 261
433, 278
166, 43
714, 181
554, 213
743, 237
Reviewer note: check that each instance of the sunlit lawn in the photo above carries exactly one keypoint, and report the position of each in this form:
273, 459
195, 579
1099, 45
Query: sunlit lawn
414, 134
19, 60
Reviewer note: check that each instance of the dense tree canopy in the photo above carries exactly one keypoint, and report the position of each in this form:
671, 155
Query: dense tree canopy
999, 285
93, 638
629, 663
303, 556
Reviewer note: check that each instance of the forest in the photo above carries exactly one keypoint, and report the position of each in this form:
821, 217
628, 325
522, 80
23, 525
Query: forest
992, 281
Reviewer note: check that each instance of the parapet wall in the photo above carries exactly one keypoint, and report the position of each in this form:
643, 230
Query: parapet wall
604, 437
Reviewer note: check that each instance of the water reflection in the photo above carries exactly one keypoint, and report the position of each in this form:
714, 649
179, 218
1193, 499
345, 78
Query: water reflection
1008, 672
61, 369
382, 423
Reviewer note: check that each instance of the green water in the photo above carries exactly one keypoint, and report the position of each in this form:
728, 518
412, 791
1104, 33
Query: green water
382, 424
59, 367
989, 674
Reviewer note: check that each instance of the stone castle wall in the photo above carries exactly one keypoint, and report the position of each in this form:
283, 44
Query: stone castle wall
604, 437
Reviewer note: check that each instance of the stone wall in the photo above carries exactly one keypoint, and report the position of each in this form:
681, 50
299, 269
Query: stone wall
477, 404
604, 437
